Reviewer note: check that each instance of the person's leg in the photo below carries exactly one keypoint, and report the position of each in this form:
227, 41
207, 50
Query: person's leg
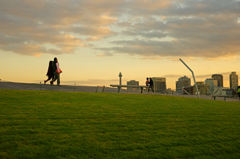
58, 79
49, 77
152, 88
52, 77
55, 77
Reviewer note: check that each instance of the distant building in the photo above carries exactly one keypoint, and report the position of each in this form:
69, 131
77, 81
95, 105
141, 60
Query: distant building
132, 82
199, 83
219, 78
211, 83
230, 92
233, 79
182, 82
179, 86
202, 89
159, 84
170, 91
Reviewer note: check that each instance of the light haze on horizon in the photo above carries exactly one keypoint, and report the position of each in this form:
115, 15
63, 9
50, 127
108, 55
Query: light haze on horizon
95, 40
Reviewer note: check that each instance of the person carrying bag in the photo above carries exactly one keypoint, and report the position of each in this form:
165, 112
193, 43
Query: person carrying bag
56, 72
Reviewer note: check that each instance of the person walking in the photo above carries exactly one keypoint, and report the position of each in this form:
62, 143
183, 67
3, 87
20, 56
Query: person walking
50, 72
151, 84
238, 89
56, 72
147, 83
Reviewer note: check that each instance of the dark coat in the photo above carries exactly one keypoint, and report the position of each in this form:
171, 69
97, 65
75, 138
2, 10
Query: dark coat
50, 69
151, 82
54, 66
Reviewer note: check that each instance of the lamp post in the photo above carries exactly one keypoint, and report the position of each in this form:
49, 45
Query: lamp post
120, 78
193, 77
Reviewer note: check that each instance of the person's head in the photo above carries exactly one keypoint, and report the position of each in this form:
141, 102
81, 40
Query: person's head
55, 59
50, 63
147, 78
150, 79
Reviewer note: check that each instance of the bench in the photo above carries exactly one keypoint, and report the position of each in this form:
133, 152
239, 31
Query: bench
214, 96
129, 86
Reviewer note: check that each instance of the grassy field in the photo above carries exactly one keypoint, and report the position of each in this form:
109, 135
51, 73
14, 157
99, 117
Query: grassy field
47, 124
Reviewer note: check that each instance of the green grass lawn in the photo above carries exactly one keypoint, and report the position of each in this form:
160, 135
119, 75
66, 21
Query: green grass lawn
48, 124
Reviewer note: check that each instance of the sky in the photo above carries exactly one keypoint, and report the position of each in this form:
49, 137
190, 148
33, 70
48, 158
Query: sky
95, 40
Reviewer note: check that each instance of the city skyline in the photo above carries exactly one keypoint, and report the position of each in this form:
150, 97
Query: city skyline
95, 40
215, 82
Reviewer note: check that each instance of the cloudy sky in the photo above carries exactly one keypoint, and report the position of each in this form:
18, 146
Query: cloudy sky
95, 40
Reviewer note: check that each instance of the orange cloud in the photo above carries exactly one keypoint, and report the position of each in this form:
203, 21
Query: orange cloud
143, 27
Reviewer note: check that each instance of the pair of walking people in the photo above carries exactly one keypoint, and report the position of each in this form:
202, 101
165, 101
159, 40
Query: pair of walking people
53, 72
150, 84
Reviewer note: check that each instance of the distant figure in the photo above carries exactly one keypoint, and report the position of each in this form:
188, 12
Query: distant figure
50, 72
238, 89
151, 84
56, 72
147, 82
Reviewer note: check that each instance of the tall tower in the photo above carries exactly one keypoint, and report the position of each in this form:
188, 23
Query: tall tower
120, 78
219, 78
233, 79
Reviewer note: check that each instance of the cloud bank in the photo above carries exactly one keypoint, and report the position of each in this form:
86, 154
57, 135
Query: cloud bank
147, 28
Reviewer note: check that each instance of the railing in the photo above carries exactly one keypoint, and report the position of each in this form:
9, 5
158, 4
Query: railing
103, 87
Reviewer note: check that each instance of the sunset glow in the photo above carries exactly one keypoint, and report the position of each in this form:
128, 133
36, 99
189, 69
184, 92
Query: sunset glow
95, 40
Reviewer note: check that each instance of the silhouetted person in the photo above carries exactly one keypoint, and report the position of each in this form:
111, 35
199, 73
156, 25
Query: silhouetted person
50, 72
151, 84
147, 82
56, 72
